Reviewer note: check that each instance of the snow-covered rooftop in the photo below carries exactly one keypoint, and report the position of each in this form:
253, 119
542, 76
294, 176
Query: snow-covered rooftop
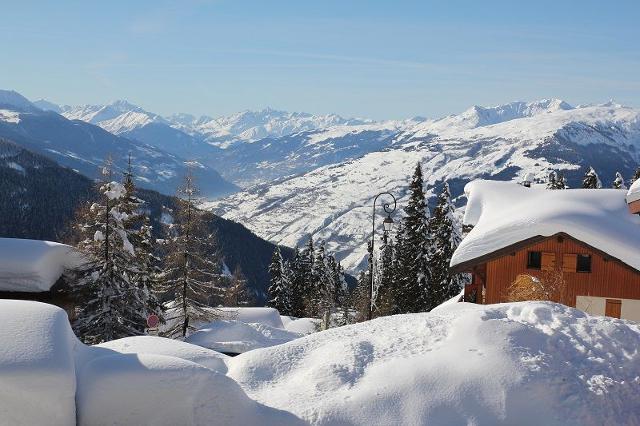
33, 265
634, 192
505, 213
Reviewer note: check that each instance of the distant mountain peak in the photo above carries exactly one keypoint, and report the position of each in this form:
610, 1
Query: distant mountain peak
15, 101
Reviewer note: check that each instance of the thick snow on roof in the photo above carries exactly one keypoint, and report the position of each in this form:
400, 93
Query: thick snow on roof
634, 192
37, 374
33, 265
530, 363
505, 213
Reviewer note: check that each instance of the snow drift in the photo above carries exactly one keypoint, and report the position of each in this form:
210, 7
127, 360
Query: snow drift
236, 337
521, 363
144, 389
37, 374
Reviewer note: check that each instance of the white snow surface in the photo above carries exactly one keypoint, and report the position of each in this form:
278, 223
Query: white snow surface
37, 373
262, 315
303, 326
231, 336
634, 192
528, 363
146, 389
9, 116
505, 213
33, 265
162, 346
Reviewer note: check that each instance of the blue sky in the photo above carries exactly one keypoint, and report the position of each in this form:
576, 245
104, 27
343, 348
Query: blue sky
378, 59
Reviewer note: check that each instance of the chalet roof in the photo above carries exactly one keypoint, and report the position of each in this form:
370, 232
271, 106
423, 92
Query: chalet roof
505, 214
33, 265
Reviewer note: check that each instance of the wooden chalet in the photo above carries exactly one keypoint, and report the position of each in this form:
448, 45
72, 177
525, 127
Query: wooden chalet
590, 236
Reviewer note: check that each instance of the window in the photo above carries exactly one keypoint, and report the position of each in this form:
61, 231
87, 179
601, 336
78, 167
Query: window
534, 260
584, 263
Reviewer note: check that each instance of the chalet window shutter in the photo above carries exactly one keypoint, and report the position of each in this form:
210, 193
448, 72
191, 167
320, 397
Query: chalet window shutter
548, 261
569, 262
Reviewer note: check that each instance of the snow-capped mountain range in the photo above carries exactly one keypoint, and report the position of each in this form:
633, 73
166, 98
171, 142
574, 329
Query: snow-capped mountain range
84, 147
306, 174
332, 203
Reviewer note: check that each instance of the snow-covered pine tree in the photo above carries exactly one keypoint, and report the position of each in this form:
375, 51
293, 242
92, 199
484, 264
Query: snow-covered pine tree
446, 235
618, 182
384, 301
591, 179
402, 300
416, 246
320, 284
297, 275
636, 175
561, 182
109, 308
360, 296
552, 180
236, 293
146, 279
280, 285
192, 266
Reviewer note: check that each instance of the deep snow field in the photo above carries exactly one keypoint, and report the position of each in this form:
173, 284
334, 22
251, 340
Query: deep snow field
534, 363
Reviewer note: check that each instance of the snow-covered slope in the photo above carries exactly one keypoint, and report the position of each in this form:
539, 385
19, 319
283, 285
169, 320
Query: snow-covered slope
255, 125
531, 363
333, 202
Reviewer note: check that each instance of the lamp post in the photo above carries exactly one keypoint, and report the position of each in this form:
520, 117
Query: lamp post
387, 223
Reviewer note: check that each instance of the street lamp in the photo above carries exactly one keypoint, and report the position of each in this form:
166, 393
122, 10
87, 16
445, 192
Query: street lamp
387, 223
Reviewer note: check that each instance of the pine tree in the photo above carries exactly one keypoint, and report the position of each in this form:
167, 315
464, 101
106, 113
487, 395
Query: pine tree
446, 238
146, 278
591, 180
561, 182
360, 296
280, 285
296, 299
111, 306
618, 182
416, 246
191, 265
636, 175
552, 181
385, 295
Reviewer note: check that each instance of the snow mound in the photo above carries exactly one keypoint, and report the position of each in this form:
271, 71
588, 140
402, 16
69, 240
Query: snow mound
521, 363
145, 389
37, 374
303, 325
236, 337
161, 346
505, 213
266, 316
33, 265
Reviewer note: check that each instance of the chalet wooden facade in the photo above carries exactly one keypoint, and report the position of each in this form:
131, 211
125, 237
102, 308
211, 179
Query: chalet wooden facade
590, 237
594, 281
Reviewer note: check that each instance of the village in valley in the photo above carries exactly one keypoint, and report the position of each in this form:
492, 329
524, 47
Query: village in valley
267, 267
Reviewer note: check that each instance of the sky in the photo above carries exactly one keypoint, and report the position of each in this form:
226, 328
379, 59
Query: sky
375, 59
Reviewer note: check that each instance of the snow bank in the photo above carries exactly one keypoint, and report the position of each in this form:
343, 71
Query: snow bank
266, 316
145, 389
231, 336
161, 346
505, 213
521, 363
37, 375
303, 325
33, 265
